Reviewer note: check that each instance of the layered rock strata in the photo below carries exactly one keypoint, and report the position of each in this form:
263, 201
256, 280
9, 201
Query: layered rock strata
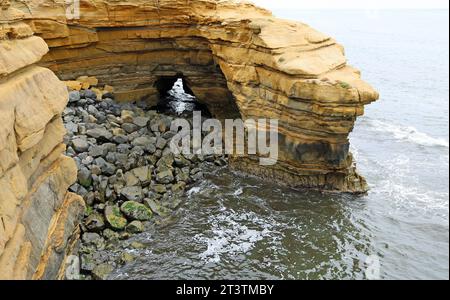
38, 218
236, 58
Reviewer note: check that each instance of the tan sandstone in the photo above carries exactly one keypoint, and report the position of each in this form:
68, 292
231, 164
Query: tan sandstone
34, 175
236, 58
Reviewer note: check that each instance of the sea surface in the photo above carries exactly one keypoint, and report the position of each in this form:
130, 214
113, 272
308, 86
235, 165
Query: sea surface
237, 227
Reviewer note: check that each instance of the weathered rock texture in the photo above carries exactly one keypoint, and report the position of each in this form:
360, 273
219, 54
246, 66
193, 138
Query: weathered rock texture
38, 218
236, 58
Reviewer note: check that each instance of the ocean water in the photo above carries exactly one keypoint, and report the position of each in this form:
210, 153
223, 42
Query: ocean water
237, 227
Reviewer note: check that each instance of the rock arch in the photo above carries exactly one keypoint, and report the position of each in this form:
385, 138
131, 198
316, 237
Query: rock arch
233, 56
231, 53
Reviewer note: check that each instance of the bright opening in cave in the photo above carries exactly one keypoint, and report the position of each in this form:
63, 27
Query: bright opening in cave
179, 100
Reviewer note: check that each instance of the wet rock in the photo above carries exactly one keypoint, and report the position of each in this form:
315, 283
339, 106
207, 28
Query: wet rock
129, 127
124, 236
221, 162
115, 218
92, 110
120, 139
118, 131
157, 207
74, 96
143, 174
91, 239
110, 147
183, 175
168, 135
96, 151
197, 176
181, 162
69, 152
110, 194
195, 171
166, 161
102, 271
107, 168
88, 94
127, 116
85, 177
141, 121
89, 198
80, 145
159, 188
137, 245
179, 188
164, 124
148, 143
192, 157
110, 235
111, 157
87, 263
126, 258
95, 222
165, 177
136, 211
174, 202
131, 179
132, 193
86, 160
72, 128
123, 148
108, 95
99, 134
96, 170
135, 227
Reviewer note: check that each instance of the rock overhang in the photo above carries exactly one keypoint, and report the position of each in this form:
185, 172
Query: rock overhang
229, 52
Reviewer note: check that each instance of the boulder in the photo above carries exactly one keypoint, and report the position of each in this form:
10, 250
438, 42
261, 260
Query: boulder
132, 193
115, 218
136, 211
135, 227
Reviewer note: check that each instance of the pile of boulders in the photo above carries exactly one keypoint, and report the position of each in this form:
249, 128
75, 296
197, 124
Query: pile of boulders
127, 175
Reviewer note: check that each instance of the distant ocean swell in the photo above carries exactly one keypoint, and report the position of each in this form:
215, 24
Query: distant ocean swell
405, 133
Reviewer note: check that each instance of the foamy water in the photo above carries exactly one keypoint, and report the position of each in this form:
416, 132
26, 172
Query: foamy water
404, 133
240, 227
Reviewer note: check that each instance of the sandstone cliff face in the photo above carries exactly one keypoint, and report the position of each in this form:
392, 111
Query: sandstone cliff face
236, 58
38, 218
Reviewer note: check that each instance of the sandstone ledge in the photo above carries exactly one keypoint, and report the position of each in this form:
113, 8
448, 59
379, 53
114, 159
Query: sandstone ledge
236, 58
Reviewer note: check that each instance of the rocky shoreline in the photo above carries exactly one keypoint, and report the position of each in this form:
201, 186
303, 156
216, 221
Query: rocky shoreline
127, 174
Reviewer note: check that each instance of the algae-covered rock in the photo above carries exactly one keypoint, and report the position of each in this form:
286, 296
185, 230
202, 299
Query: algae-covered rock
115, 218
136, 211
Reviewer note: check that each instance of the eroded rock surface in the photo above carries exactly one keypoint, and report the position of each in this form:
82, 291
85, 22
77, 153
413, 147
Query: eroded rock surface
234, 57
38, 218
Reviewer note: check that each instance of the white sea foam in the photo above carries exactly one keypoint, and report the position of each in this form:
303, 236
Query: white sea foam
238, 192
406, 133
233, 233
406, 191
194, 190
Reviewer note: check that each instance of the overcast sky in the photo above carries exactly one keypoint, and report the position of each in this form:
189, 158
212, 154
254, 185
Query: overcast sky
352, 4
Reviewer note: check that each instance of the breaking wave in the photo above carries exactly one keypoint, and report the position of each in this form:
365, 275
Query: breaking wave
406, 133
232, 234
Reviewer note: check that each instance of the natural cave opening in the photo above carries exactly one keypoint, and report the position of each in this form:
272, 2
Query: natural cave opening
176, 97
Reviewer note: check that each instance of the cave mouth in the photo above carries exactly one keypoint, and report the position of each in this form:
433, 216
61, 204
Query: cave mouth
176, 98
